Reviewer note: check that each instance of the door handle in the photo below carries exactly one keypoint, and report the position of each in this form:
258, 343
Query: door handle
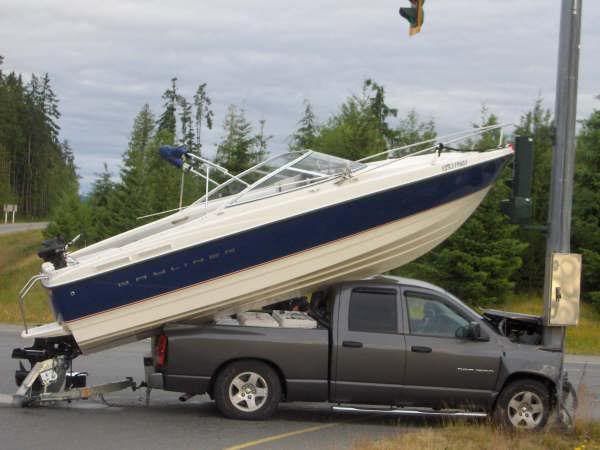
352, 344
420, 349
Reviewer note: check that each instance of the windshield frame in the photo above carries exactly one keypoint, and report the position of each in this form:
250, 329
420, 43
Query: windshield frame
237, 178
336, 167
268, 177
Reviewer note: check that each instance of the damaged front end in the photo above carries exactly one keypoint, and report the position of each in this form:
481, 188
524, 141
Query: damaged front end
519, 328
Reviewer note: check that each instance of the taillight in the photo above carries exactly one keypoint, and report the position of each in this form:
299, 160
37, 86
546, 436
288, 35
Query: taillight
161, 351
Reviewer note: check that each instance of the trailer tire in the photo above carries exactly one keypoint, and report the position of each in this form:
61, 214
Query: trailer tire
523, 405
248, 390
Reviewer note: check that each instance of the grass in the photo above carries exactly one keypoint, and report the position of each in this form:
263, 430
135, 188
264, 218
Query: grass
18, 262
583, 339
468, 436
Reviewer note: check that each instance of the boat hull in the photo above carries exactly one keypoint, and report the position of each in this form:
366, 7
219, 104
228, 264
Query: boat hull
371, 252
357, 238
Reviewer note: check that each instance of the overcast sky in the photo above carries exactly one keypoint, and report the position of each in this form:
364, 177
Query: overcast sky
107, 58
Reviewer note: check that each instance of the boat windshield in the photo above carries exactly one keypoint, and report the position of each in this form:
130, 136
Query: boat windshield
279, 174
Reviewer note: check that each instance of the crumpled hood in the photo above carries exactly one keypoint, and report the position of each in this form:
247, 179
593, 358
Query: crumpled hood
496, 315
519, 328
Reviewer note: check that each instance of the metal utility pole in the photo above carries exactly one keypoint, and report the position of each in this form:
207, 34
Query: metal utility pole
563, 158
561, 293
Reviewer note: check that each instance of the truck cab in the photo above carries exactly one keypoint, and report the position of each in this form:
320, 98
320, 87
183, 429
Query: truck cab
384, 341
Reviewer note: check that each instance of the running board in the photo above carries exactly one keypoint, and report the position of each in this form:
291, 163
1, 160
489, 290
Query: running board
410, 412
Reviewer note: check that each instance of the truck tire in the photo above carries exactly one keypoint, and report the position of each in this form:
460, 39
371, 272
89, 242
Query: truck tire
248, 390
523, 405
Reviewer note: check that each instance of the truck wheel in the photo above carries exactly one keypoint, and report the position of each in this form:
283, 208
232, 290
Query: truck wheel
248, 390
523, 405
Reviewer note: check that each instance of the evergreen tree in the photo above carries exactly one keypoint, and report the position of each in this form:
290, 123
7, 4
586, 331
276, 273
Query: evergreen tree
163, 180
6, 195
411, 130
203, 114
100, 204
308, 129
192, 187
236, 151
375, 94
69, 218
360, 128
132, 197
537, 123
261, 142
168, 120
479, 261
353, 133
586, 206
36, 171
185, 119
49, 105
65, 173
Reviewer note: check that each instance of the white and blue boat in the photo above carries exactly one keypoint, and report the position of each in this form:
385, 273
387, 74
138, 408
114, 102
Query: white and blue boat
287, 226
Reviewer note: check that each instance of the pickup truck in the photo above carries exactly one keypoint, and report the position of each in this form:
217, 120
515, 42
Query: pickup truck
389, 342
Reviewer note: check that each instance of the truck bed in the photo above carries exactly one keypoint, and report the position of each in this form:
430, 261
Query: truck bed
196, 353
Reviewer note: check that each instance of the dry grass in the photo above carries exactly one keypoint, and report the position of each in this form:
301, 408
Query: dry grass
18, 262
583, 339
465, 436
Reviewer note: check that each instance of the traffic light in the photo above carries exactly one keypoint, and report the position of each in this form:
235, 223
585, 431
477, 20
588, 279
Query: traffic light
414, 15
519, 208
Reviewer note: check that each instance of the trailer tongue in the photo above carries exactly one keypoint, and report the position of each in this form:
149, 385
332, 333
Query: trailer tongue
51, 378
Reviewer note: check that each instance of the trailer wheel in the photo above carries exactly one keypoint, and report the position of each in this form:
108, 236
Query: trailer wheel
248, 390
523, 405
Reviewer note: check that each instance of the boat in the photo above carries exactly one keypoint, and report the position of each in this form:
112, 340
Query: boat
285, 227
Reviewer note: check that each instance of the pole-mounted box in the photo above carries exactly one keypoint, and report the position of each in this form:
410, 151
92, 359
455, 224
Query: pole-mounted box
565, 289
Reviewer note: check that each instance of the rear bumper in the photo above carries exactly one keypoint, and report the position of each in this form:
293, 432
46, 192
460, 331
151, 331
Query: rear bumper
187, 384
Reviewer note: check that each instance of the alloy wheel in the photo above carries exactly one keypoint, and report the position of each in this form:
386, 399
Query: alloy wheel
248, 391
525, 410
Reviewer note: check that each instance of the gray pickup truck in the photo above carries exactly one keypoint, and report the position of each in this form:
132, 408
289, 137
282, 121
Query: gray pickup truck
389, 342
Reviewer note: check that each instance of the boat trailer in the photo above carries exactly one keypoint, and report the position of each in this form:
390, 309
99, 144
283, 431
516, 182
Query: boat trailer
51, 378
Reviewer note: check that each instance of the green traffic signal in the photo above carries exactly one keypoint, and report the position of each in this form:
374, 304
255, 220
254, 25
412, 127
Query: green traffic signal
414, 15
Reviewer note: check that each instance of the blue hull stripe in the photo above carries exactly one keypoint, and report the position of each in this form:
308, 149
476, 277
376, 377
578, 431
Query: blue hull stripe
220, 257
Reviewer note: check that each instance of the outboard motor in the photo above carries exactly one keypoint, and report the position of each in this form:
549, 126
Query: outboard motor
53, 250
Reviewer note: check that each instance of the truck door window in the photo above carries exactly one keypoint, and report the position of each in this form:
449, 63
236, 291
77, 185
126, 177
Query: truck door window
432, 317
373, 311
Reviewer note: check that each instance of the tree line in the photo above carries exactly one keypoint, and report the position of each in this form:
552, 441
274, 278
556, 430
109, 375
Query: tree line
483, 262
36, 168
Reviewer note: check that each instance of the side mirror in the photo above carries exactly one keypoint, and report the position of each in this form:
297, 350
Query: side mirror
471, 331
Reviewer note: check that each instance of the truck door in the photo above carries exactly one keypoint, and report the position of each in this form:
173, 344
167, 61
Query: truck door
441, 368
369, 361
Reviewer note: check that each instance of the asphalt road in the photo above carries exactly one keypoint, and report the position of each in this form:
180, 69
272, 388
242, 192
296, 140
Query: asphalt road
167, 423
16, 227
